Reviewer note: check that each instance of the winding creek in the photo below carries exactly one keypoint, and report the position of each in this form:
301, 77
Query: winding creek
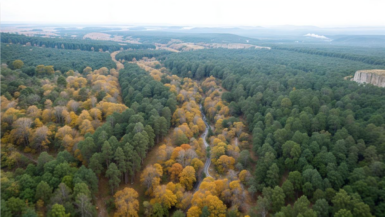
203, 136
208, 160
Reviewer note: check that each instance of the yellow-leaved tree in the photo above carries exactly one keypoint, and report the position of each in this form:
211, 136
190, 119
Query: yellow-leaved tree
126, 202
224, 163
194, 211
216, 207
187, 177
164, 196
86, 127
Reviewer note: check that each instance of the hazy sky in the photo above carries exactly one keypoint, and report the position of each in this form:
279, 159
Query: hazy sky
323, 13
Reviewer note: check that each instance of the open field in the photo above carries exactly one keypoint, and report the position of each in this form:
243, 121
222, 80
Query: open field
108, 37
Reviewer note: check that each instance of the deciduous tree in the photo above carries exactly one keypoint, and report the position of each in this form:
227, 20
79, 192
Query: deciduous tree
126, 202
187, 177
40, 138
18, 64
164, 196
174, 171
58, 210
150, 177
22, 131
84, 205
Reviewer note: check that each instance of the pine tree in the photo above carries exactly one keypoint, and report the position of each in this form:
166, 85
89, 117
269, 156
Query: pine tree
140, 143
129, 159
151, 135
163, 127
95, 163
272, 176
113, 174
107, 153
120, 160
118, 131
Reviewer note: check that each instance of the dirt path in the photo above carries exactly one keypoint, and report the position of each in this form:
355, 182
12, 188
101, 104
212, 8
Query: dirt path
103, 196
29, 156
119, 65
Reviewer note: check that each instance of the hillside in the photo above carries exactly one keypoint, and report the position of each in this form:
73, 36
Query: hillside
374, 76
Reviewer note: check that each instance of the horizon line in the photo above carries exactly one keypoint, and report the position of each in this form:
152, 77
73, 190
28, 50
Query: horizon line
188, 25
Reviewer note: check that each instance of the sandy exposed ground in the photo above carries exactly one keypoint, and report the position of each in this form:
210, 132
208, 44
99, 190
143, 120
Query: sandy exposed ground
108, 37
47, 32
235, 46
178, 45
164, 47
186, 46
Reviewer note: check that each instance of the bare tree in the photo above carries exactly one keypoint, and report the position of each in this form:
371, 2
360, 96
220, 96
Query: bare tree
22, 130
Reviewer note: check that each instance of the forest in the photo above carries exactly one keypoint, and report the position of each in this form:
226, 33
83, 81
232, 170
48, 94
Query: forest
151, 37
139, 54
71, 44
374, 60
165, 37
63, 60
324, 135
204, 133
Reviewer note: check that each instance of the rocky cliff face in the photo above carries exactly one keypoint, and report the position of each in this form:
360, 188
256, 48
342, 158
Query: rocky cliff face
375, 77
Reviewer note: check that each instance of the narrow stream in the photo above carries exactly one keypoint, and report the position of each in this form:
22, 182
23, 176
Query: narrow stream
208, 160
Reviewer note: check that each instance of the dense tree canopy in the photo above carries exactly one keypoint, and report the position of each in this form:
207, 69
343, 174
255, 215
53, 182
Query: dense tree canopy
287, 135
71, 44
305, 119
63, 60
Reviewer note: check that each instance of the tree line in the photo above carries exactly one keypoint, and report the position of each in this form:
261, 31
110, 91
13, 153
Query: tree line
374, 60
63, 60
139, 54
71, 44
166, 37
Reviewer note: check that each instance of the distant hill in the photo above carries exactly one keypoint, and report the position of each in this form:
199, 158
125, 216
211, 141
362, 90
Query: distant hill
360, 40
165, 37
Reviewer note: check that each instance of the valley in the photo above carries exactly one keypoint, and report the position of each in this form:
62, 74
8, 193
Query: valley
110, 121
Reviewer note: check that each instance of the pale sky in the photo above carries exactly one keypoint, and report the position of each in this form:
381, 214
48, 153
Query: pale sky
322, 13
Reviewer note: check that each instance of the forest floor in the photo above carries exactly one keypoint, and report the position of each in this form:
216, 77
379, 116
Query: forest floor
103, 196
119, 65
